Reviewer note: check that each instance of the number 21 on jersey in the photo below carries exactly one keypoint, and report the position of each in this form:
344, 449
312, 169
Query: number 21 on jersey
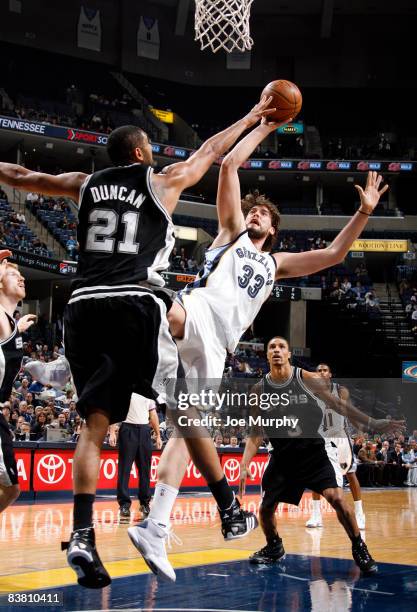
104, 225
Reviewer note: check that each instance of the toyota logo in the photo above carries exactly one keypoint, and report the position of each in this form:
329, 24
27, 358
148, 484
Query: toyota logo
232, 469
154, 468
51, 469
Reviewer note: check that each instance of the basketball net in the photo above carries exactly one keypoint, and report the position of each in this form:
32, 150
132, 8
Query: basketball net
223, 24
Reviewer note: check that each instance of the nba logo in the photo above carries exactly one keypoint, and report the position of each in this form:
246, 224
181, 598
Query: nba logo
63, 268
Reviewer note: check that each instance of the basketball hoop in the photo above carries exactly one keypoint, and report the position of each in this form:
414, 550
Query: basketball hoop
223, 24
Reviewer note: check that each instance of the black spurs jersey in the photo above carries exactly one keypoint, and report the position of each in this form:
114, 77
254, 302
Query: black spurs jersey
295, 402
125, 234
11, 354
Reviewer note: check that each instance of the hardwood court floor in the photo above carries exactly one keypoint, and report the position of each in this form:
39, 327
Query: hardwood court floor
30, 536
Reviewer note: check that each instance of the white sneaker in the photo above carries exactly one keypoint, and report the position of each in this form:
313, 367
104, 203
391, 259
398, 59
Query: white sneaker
360, 519
315, 520
149, 538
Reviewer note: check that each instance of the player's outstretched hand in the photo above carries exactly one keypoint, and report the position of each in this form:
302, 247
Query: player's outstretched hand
260, 110
387, 426
371, 195
25, 322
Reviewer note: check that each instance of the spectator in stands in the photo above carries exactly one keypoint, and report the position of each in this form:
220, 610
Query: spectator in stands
71, 247
63, 423
358, 291
39, 428
410, 463
369, 468
395, 459
234, 442
23, 388
23, 435
346, 284
3, 195
218, 440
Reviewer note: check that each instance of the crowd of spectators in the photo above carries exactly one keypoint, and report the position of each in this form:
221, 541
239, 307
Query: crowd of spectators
382, 146
56, 215
386, 461
181, 263
408, 295
33, 409
14, 233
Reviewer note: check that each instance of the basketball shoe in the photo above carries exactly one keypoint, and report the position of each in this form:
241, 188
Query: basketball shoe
237, 523
83, 557
269, 554
362, 557
315, 520
149, 538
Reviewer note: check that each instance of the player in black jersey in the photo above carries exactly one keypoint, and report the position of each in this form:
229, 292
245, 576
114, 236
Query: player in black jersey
117, 339
336, 427
301, 458
12, 290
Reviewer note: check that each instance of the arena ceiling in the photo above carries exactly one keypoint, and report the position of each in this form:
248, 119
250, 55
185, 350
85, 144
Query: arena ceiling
315, 7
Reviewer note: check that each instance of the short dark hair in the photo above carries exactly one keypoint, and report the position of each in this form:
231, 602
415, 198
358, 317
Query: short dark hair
322, 363
254, 198
275, 338
122, 142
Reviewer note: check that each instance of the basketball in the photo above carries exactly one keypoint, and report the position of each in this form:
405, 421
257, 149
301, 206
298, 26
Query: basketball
286, 98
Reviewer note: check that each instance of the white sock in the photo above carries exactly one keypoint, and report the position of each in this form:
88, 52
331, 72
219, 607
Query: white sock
358, 506
316, 506
162, 504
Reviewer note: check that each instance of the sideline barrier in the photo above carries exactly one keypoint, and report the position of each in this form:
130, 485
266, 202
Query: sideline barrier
47, 468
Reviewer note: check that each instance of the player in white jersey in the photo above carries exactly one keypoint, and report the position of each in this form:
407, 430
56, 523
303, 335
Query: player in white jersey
335, 427
211, 315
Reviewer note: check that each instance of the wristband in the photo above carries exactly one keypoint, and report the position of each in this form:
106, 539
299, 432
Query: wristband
364, 213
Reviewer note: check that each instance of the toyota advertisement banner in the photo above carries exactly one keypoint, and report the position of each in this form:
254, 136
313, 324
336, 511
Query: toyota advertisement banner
52, 470
23, 462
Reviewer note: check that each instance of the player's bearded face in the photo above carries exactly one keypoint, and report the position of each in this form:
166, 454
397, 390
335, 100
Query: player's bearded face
258, 222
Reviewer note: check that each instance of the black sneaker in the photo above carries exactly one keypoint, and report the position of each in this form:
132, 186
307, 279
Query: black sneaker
363, 559
124, 511
145, 509
269, 554
83, 557
236, 523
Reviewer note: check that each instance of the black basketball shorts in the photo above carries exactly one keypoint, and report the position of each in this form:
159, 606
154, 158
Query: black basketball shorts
286, 478
117, 342
8, 467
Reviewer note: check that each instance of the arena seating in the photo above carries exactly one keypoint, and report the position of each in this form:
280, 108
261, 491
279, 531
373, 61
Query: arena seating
14, 233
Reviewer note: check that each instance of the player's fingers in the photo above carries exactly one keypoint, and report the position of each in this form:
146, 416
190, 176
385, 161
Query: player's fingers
268, 111
359, 190
383, 190
378, 181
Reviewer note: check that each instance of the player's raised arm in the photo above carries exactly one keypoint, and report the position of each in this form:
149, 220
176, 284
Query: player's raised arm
291, 265
229, 208
175, 178
319, 388
67, 184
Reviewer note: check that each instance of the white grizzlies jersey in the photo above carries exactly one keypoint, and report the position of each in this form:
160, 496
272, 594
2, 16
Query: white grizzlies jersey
334, 424
235, 281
